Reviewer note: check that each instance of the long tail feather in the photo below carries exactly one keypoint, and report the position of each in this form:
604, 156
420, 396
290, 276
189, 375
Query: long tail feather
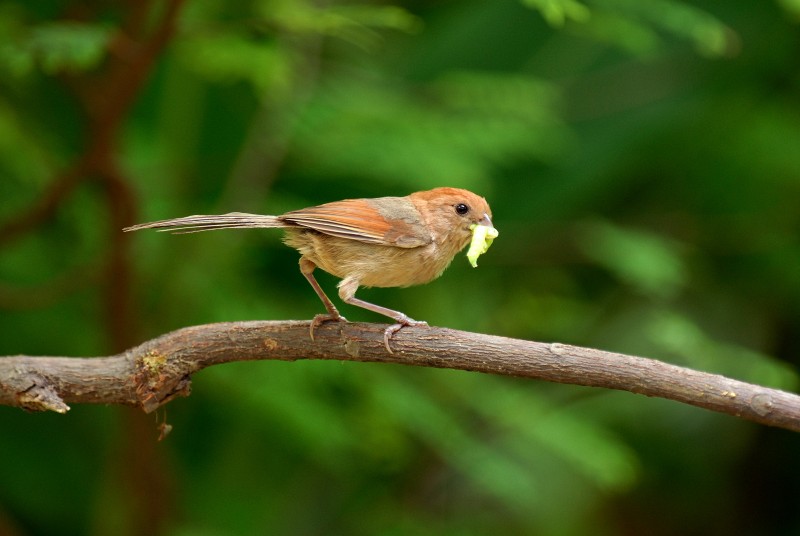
196, 224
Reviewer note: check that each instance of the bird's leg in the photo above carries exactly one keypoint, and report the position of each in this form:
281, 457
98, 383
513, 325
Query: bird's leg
307, 269
347, 291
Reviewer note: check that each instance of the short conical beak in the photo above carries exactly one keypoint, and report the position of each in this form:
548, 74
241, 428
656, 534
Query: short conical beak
486, 221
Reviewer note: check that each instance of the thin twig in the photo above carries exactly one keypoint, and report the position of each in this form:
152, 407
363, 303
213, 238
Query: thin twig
159, 370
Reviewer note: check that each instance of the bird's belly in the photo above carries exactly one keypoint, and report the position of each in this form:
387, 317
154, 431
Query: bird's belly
373, 265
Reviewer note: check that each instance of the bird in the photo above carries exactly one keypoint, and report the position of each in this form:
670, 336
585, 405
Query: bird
368, 242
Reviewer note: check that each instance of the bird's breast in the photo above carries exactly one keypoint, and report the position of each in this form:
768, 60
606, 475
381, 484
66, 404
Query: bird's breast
373, 265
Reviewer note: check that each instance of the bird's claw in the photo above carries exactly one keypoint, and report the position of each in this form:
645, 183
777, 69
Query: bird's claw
321, 319
394, 328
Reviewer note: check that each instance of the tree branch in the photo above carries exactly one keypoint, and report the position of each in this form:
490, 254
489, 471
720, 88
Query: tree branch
159, 370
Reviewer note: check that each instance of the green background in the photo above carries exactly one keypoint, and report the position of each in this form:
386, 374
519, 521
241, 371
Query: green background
642, 161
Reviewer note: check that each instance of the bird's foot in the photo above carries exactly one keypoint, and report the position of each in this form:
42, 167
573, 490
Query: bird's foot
321, 319
394, 328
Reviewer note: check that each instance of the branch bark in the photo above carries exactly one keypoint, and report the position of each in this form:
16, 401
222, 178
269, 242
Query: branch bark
159, 370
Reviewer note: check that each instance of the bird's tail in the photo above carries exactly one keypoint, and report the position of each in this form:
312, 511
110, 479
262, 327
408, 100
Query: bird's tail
196, 224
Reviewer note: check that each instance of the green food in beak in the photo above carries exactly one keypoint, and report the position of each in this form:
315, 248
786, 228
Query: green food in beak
482, 237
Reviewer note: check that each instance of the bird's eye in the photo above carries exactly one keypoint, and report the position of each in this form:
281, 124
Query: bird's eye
462, 209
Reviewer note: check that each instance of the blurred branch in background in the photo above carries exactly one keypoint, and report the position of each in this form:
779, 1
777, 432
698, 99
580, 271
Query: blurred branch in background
105, 69
69, 48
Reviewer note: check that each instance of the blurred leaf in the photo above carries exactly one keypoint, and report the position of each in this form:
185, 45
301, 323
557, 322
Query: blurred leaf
631, 35
530, 420
55, 47
452, 132
708, 34
510, 96
358, 23
292, 397
645, 260
791, 6
493, 471
230, 57
557, 12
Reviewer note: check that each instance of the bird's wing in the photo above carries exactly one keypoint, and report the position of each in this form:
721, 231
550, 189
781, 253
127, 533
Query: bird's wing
389, 221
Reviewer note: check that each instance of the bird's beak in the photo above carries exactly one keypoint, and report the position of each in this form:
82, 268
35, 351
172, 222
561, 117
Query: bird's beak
491, 232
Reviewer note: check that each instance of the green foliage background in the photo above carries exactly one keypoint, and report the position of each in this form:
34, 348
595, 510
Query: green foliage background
642, 160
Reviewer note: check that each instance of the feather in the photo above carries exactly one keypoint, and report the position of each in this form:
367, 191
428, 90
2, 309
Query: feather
388, 221
196, 224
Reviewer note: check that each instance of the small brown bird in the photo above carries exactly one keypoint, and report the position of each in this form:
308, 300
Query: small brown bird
379, 242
